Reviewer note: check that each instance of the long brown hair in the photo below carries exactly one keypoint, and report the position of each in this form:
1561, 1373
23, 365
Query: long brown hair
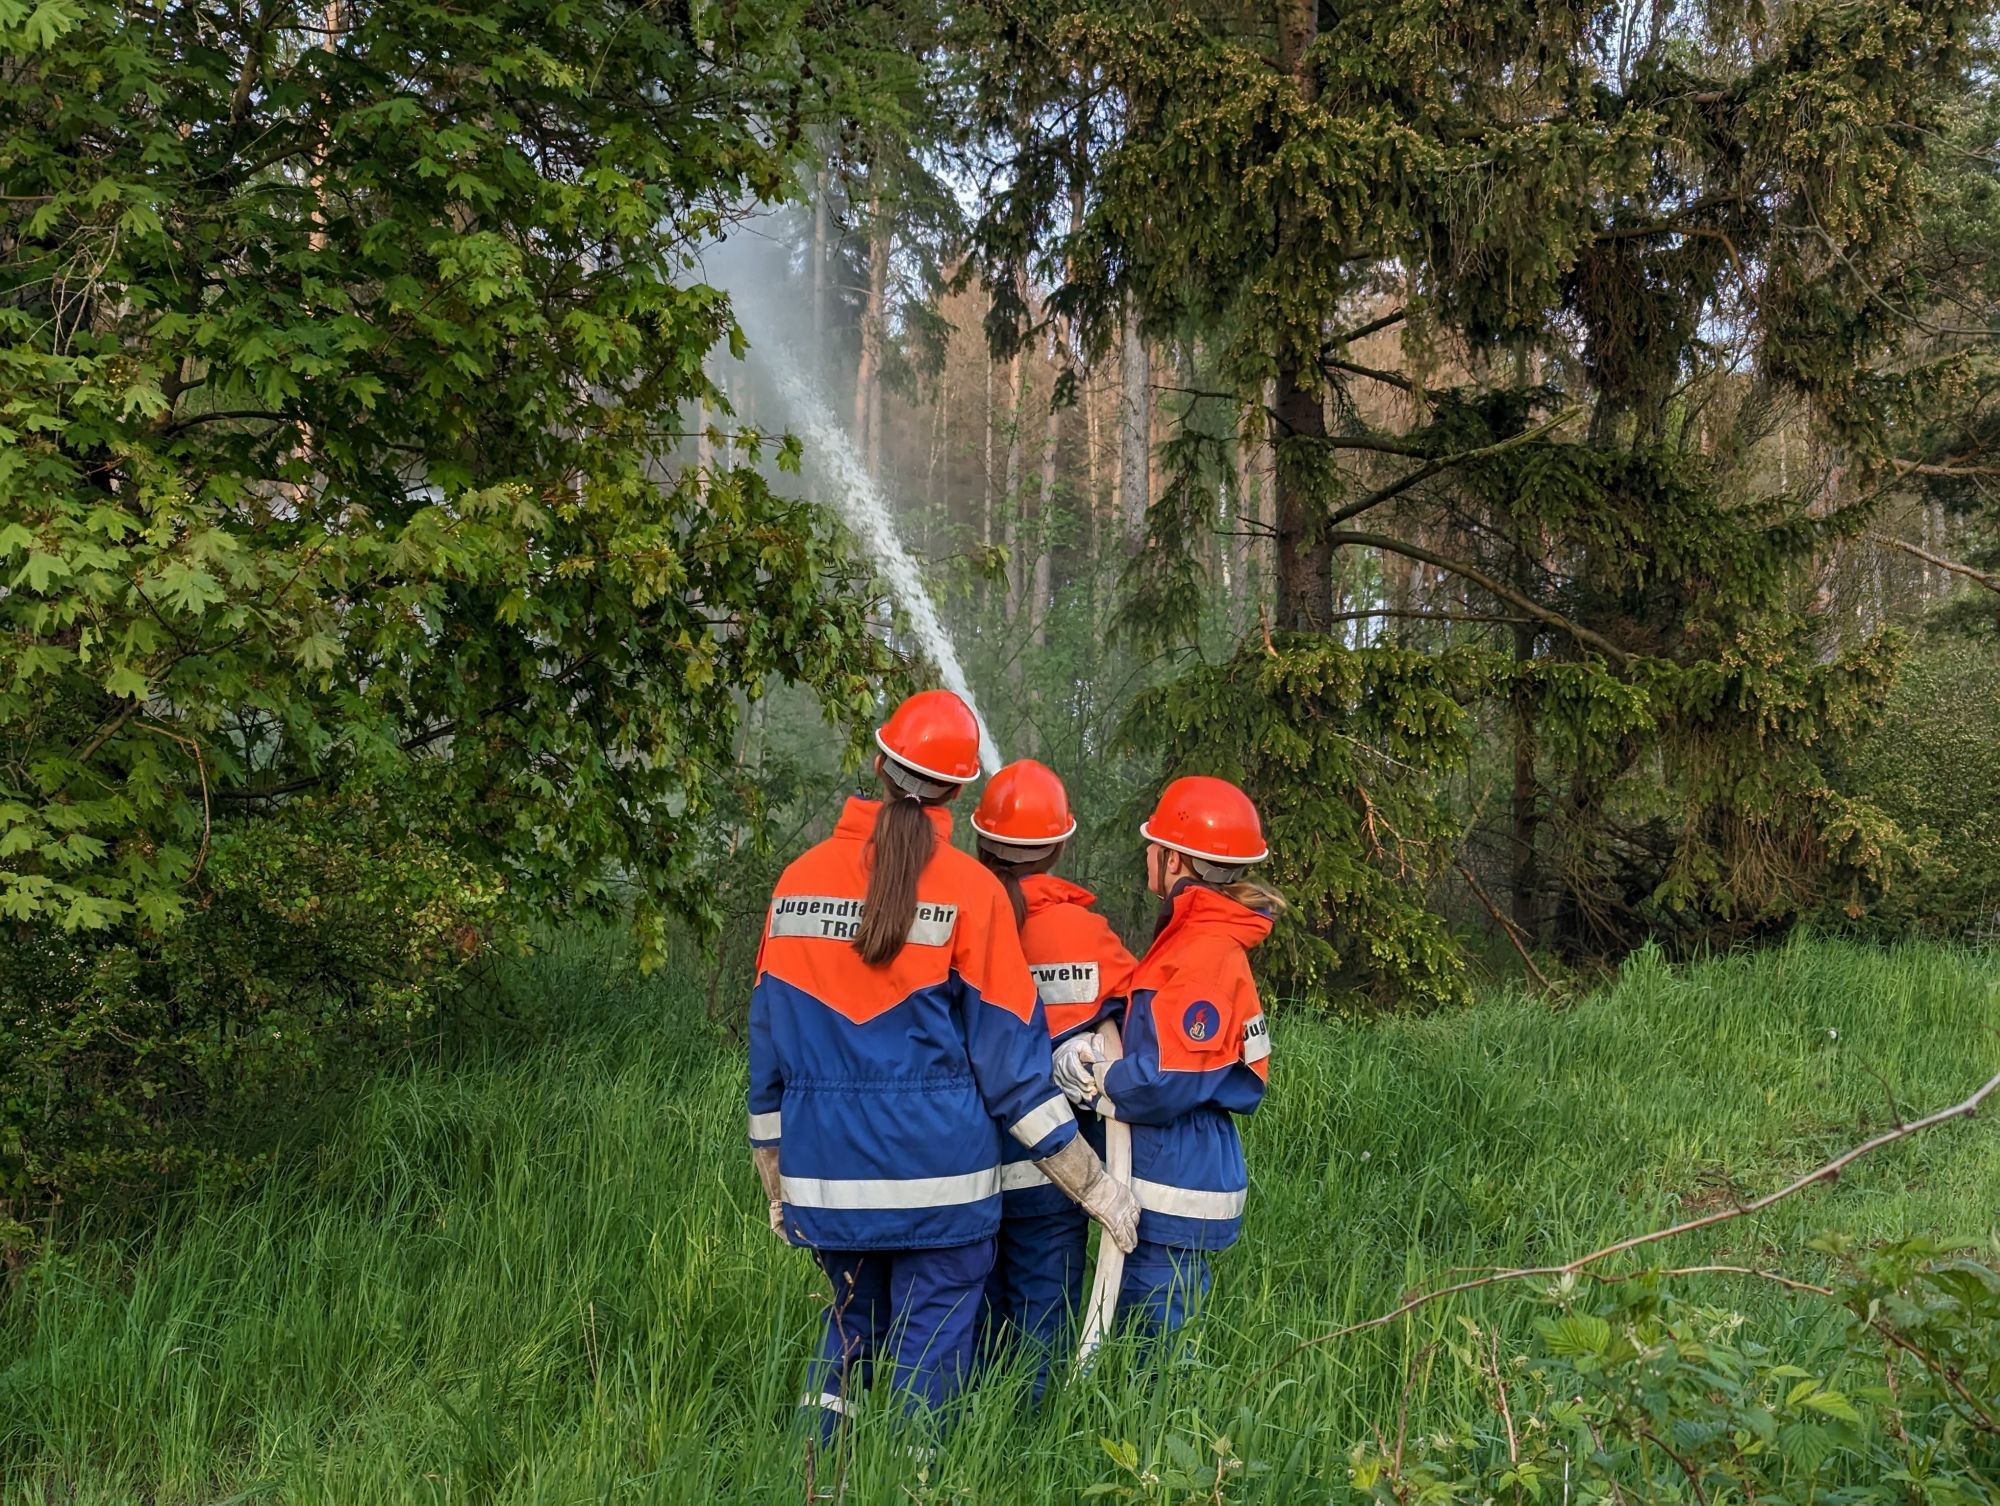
1011, 874
898, 853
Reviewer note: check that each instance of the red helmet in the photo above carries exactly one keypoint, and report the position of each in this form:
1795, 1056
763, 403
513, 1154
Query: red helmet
1024, 805
1210, 819
934, 733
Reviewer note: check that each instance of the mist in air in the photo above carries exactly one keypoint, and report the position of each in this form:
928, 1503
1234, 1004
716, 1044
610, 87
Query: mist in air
786, 367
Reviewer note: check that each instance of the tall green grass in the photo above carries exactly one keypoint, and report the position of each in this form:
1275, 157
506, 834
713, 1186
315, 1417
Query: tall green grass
538, 1272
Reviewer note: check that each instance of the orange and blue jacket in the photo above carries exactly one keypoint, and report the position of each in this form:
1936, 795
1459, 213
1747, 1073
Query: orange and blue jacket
1082, 973
1197, 1053
887, 1090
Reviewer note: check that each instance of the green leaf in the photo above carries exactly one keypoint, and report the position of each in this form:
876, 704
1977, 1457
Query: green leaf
127, 681
1575, 1335
1833, 1404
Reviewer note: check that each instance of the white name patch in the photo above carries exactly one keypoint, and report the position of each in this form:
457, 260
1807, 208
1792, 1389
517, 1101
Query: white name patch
1065, 982
1256, 1039
833, 919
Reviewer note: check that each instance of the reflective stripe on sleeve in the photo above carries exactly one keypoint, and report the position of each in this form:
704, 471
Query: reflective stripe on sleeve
1016, 1175
826, 1401
766, 1126
1037, 1122
865, 1193
1187, 1202
1256, 1039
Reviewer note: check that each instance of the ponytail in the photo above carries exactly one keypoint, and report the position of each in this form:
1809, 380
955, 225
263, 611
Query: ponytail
1010, 875
1246, 892
1253, 896
897, 856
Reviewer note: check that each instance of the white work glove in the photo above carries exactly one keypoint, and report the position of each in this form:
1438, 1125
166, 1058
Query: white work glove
766, 1157
1076, 1065
1076, 1169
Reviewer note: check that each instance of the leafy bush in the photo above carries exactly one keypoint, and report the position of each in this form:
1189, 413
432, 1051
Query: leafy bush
1933, 764
323, 934
340, 375
1636, 1394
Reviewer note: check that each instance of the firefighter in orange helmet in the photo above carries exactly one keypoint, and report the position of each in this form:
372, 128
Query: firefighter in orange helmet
1197, 1050
895, 1044
1081, 971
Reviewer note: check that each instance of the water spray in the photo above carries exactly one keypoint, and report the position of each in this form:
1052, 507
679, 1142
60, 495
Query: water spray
831, 451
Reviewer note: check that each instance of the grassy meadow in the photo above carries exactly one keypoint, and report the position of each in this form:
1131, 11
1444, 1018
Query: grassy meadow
536, 1270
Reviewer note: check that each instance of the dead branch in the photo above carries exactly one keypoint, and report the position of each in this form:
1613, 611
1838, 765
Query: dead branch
1975, 1414
1512, 930
1488, 584
1985, 578
1446, 462
1372, 327
1964, 1109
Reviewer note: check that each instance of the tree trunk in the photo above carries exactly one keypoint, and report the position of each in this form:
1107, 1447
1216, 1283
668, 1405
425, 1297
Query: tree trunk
1010, 502
1044, 516
1305, 563
986, 468
1135, 451
704, 457
1305, 559
868, 376
1094, 534
1524, 815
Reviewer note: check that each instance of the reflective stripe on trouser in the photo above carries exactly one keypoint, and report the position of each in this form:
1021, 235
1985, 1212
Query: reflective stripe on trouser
1037, 1285
1163, 1285
914, 1311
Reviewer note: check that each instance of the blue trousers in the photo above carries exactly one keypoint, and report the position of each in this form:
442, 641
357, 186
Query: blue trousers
1037, 1287
1163, 1285
916, 1312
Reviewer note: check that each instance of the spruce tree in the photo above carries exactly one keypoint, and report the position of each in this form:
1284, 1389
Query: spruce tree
1598, 243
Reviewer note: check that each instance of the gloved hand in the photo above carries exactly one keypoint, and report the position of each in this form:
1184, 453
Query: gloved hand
766, 1157
1076, 1065
1076, 1169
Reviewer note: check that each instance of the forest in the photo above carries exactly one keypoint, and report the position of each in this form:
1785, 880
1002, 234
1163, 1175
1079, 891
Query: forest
473, 479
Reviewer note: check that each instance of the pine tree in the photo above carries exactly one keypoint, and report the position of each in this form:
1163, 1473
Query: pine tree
1586, 232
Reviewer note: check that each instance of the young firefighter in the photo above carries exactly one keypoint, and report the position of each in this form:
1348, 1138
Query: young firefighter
894, 1036
1197, 1051
1081, 972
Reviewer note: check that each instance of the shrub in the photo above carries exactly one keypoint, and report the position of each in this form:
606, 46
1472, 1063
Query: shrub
1636, 1394
322, 935
1933, 763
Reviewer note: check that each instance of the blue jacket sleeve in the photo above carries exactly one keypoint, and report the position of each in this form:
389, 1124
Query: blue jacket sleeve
1007, 1035
767, 1083
1170, 1069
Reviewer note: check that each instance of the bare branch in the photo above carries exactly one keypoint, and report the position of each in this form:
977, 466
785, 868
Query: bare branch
1446, 462
1386, 378
1488, 584
1985, 578
1372, 327
1513, 931
1421, 614
1964, 1109
1947, 470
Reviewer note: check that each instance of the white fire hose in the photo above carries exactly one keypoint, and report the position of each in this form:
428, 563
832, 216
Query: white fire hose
1103, 1305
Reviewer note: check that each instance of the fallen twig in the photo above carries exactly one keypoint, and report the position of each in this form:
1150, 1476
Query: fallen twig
1964, 1109
1512, 930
